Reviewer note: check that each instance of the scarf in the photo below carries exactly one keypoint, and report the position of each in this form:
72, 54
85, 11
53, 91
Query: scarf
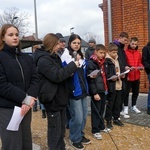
100, 62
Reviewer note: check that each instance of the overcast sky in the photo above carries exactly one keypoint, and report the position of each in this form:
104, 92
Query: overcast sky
60, 15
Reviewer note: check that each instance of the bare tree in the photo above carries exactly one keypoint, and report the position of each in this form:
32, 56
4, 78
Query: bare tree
16, 17
89, 35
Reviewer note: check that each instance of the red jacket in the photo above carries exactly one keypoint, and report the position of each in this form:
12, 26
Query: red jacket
133, 60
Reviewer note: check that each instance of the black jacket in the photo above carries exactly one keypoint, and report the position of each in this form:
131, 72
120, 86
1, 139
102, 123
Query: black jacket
110, 72
88, 52
18, 77
53, 79
121, 55
96, 85
146, 57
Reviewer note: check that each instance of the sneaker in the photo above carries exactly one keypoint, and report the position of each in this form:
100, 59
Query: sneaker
76, 146
122, 113
119, 118
98, 136
125, 110
109, 125
134, 108
118, 122
106, 130
85, 140
126, 116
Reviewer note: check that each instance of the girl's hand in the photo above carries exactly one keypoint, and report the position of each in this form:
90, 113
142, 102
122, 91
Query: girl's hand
77, 63
78, 57
32, 102
97, 97
24, 109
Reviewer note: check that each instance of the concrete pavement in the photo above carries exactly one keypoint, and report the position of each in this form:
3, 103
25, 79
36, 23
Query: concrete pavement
142, 119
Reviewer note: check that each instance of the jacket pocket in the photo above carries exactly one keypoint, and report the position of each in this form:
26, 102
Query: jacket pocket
53, 118
47, 92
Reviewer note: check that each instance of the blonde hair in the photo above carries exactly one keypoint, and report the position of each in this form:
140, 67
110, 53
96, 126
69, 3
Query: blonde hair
112, 47
50, 41
3, 31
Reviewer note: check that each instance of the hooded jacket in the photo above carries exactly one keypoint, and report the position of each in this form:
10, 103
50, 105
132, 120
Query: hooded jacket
113, 68
18, 77
53, 79
133, 58
146, 57
88, 52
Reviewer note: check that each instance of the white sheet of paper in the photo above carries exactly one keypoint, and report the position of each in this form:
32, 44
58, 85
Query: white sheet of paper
94, 73
15, 119
66, 57
123, 73
113, 77
116, 76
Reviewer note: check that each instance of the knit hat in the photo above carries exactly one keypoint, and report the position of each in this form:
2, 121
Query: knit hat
60, 36
92, 41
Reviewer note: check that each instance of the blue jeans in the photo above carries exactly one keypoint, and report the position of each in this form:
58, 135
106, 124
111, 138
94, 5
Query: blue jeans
78, 112
148, 99
42, 106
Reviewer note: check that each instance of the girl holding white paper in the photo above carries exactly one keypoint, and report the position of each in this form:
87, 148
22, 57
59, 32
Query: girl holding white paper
18, 87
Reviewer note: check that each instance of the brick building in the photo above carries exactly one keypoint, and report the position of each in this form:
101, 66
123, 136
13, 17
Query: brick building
131, 17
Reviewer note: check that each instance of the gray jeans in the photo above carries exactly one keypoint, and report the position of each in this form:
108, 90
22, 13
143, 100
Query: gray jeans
15, 140
56, 129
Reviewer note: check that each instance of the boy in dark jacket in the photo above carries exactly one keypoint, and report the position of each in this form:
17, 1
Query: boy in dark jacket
146, 63
98, 89
114, 87
134, 61
121, 42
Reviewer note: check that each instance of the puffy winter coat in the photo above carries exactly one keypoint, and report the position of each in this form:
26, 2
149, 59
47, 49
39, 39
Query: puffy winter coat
18, 77
133, 58
146, 57
53, 79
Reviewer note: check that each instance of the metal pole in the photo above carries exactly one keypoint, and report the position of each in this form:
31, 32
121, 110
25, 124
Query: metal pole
71, 29
12, 21
35, 14
109, 21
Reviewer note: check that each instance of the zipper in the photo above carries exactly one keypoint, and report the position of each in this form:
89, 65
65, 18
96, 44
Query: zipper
20, 69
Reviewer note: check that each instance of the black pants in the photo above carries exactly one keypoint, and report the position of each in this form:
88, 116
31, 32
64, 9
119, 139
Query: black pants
56, 129
15, 140
123, 93
113, 105
97, 111
134, 85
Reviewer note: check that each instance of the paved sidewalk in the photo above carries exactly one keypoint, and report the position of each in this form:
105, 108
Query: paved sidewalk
142, 119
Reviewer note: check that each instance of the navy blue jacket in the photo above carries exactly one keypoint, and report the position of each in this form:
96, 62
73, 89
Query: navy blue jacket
18, 77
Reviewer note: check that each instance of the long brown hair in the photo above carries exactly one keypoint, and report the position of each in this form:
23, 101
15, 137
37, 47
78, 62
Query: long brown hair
72, 38
50, 41
3, 31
